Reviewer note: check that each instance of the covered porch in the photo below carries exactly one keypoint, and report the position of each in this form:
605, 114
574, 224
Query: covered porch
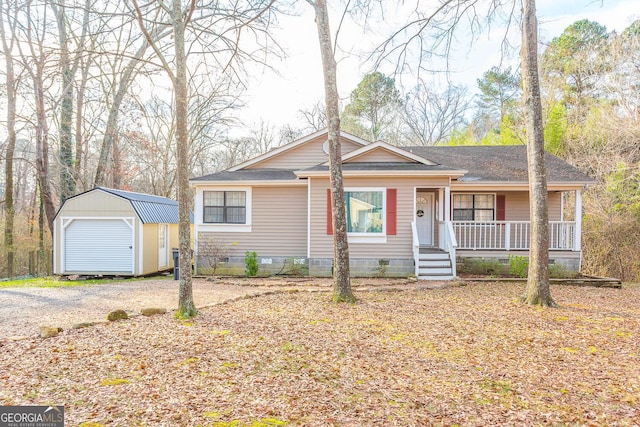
490, 224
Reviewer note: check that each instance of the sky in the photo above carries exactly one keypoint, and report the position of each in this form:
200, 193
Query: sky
277, 98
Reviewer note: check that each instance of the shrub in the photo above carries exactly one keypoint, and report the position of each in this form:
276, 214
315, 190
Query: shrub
518, 265
482, 266
212, 254
251, 264
559, 271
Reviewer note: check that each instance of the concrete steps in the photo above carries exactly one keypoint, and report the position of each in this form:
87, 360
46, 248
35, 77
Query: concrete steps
434, 264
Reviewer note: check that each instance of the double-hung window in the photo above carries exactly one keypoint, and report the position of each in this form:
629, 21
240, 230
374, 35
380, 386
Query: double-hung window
365, 211
225, 207
473, 207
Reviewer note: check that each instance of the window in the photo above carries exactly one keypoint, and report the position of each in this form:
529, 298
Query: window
225, 207
365, 211
473, 207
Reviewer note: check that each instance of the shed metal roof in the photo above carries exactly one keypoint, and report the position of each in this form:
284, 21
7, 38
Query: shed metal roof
150, 208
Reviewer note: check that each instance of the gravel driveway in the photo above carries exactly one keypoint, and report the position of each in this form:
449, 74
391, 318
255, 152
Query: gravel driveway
23, 310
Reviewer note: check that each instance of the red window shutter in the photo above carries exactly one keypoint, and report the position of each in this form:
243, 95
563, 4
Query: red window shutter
392, 211
500, 207
329, 213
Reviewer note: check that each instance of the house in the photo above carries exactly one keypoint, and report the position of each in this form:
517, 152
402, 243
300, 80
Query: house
410, 210
114, 232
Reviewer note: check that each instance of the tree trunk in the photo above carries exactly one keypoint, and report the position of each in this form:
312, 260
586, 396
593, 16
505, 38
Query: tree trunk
42, 150
9, 207
537, 290
65, 135
116, 169
341, 278
79, 167
186, 307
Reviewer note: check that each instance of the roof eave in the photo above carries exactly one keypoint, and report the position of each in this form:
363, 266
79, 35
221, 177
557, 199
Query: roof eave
250, 183
517, 185
385, 173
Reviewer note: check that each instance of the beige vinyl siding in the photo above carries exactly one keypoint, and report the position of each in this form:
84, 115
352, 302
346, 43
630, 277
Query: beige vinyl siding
397, 246
278, 224
517, 206
379, 155
304, 155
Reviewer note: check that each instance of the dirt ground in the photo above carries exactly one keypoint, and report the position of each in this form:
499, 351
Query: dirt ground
24, 310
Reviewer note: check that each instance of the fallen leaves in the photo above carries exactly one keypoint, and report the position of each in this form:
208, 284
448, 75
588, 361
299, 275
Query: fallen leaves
465, 355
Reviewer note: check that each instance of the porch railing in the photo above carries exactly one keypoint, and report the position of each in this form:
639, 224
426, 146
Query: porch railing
511, 235
416, 247
448, 242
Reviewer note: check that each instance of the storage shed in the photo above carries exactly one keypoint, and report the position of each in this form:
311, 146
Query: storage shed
114, 232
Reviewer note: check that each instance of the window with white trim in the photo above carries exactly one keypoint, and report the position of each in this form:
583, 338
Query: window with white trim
365, 211
474, 207
224, 207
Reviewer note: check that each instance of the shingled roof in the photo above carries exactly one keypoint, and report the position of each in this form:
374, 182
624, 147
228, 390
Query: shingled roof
482, 163
507, 163
250, 175
383, 166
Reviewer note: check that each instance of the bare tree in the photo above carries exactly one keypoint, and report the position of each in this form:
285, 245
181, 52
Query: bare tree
341, 278
34, 56
121, 80
537, 291
432, 116
435, 29
8, 37
178, 19
214, 27
315, 117
68, 69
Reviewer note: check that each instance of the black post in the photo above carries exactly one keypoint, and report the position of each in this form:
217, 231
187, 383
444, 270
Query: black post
176, 263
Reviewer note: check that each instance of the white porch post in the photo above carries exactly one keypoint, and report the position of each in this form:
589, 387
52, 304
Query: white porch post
577, 242
447, 205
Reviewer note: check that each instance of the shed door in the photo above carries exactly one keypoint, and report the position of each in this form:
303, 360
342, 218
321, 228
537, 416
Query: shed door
98, 245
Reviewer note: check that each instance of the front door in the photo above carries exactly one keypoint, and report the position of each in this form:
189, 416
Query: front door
163, 253
424, 218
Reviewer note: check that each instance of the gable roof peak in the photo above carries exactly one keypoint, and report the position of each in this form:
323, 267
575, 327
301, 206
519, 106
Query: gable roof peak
300, 141
395, 150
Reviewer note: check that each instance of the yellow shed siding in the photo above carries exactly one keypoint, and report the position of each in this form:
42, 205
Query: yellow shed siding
150, 254
97, 203
93, 204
